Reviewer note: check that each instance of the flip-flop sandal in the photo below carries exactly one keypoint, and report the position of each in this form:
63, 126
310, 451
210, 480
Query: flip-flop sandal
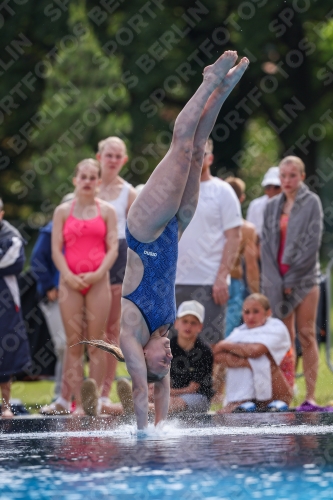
247, 407
277, 406
306, 406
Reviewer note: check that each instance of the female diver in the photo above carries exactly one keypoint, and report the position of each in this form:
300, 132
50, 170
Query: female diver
156, 221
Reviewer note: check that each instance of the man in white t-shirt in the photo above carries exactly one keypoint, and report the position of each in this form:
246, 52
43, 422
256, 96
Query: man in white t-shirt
208, 248
272, 186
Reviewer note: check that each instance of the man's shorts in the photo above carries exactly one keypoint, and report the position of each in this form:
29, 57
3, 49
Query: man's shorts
214, 324
196, 402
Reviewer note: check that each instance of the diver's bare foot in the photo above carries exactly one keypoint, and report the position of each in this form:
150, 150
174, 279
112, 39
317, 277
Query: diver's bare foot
217, 71
233, 76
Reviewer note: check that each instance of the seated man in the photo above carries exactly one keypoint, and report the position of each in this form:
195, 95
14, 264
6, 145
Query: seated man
192, 363
252, 355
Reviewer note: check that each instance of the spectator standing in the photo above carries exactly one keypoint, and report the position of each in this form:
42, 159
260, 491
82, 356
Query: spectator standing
272, 186
14, 352
247, 253
291, 239
112, 156
192, 363
84, 248
208, 248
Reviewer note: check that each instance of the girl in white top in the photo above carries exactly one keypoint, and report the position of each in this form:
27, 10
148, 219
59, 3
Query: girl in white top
112, 156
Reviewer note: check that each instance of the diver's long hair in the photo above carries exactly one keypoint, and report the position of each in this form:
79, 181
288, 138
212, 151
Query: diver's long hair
106, 346
118, 354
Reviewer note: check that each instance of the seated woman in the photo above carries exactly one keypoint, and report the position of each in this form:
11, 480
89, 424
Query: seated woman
156, 221
252, 355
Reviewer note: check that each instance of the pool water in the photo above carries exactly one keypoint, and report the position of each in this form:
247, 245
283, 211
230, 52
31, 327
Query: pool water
233, 457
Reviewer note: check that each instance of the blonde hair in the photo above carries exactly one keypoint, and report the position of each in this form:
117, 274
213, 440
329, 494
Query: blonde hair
88, 161
237, 185
296, 160
258, 297
106, 346
111, 140
118, 354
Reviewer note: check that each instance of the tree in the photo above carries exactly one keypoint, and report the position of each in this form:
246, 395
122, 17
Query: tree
30, 44
89, 104
164, 48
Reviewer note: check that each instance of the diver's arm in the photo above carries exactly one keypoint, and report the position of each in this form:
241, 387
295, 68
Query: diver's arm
136, 366
162, 398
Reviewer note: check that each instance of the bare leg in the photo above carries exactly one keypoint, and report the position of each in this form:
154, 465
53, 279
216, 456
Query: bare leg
219, 375
289, 321
305, 319
165, 188
280, 387
6, 412
72, 316
205, 126
112, 335
97, 310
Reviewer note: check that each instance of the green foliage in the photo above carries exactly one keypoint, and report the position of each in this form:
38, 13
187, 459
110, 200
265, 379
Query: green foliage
151, 56
286, 43
26, 24
261, 148
91, 105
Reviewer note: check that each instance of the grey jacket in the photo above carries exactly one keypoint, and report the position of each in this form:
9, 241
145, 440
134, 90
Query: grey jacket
301, 251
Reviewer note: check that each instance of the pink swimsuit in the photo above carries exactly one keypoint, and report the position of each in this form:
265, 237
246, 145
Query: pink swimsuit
84, 243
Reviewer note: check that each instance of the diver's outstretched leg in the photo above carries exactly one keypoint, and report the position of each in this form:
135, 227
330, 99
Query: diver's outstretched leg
205, 126
160, 199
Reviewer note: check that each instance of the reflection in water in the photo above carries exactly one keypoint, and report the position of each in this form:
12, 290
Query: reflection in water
191, 463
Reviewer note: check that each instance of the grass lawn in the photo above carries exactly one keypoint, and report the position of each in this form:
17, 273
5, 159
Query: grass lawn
36, 394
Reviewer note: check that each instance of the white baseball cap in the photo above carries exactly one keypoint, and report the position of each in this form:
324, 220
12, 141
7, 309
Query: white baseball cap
272, 177
191, 307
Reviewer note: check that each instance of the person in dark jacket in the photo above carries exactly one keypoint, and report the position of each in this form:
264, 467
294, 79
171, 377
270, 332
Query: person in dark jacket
47, 278
192, 363
14, 346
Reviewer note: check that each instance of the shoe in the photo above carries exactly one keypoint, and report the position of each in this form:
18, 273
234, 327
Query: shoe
124, 391
54, 409
247, 407
306, 406
89, 397
277, 406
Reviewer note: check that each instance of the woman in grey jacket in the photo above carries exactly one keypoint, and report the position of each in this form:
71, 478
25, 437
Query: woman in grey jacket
291, 239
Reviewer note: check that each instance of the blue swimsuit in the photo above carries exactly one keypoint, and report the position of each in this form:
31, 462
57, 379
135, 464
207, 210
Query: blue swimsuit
155, 295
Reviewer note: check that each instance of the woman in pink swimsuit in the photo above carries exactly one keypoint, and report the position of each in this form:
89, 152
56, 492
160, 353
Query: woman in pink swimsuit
84, 248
